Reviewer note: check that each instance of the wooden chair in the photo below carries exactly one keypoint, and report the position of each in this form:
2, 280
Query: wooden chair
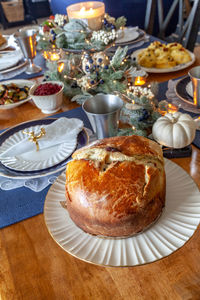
188, 22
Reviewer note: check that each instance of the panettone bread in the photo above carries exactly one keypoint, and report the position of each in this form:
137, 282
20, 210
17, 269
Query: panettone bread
116, 186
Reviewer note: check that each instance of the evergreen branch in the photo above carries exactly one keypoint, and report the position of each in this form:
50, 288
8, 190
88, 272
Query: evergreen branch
118, 57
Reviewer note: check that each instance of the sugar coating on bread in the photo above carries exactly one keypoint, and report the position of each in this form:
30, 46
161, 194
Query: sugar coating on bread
116, 186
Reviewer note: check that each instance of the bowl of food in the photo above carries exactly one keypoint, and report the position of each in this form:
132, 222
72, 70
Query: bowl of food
14, 93
48, 96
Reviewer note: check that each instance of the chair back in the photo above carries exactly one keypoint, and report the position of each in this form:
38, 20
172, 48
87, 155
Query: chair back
188, 21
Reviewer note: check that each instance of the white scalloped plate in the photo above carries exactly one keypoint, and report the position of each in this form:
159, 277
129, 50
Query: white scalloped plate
36, 160
176, 225
128, 34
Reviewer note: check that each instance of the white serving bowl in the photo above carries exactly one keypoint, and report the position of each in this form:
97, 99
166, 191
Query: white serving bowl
49, 103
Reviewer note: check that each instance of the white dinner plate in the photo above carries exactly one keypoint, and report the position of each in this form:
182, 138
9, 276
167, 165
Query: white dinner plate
134, 55
189, 89
82, 140
126, 35
19, 66
35, 160
21, 83
175, 226
10, 59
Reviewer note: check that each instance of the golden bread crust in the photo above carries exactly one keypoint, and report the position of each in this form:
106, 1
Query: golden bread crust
116, 186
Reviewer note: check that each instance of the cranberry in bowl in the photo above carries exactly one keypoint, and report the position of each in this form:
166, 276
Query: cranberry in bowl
48, 96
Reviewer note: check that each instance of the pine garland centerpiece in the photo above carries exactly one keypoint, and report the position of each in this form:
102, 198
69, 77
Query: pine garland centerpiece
75, 35
89, 74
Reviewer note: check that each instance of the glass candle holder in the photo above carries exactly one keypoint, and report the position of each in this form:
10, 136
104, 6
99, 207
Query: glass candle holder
26, 40
52, 55
140, 81
91, 13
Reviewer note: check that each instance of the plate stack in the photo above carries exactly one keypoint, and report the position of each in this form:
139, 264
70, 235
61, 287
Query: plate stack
12, 61
129, 36
35, 164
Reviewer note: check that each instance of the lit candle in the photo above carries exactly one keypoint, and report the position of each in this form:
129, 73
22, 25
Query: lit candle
172, 108
167, 108
61, 67
139, 80
197, 120
53, 55
45, 55
90, 12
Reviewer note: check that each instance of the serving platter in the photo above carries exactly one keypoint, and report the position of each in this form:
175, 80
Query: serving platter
20, 83
180, 67
25, 163
175, 226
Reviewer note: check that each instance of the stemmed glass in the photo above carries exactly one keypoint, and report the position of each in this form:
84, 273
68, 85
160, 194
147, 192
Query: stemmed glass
27, 42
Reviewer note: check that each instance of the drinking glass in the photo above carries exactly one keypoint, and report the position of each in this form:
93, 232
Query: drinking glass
103, 112
194, 74
27, 42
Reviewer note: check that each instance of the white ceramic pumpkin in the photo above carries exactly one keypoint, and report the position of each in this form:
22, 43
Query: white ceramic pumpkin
174, 130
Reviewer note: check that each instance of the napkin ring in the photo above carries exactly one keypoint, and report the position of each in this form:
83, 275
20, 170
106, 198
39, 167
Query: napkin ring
34, 138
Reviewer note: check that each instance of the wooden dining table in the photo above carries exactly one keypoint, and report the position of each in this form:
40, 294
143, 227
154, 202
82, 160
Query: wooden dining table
33, 266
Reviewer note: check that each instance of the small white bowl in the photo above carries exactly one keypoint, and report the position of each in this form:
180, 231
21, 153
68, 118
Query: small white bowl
49, 103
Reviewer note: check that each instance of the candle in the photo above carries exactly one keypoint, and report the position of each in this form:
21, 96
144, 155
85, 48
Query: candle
61, 67
197, 120
139, 80
90, 12
167, 108
53, 55
172, 108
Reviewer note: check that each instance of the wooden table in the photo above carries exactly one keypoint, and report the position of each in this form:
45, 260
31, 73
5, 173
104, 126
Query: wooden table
33, 266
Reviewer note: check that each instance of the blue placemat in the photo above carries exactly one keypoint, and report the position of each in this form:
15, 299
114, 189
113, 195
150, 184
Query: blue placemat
22, 203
